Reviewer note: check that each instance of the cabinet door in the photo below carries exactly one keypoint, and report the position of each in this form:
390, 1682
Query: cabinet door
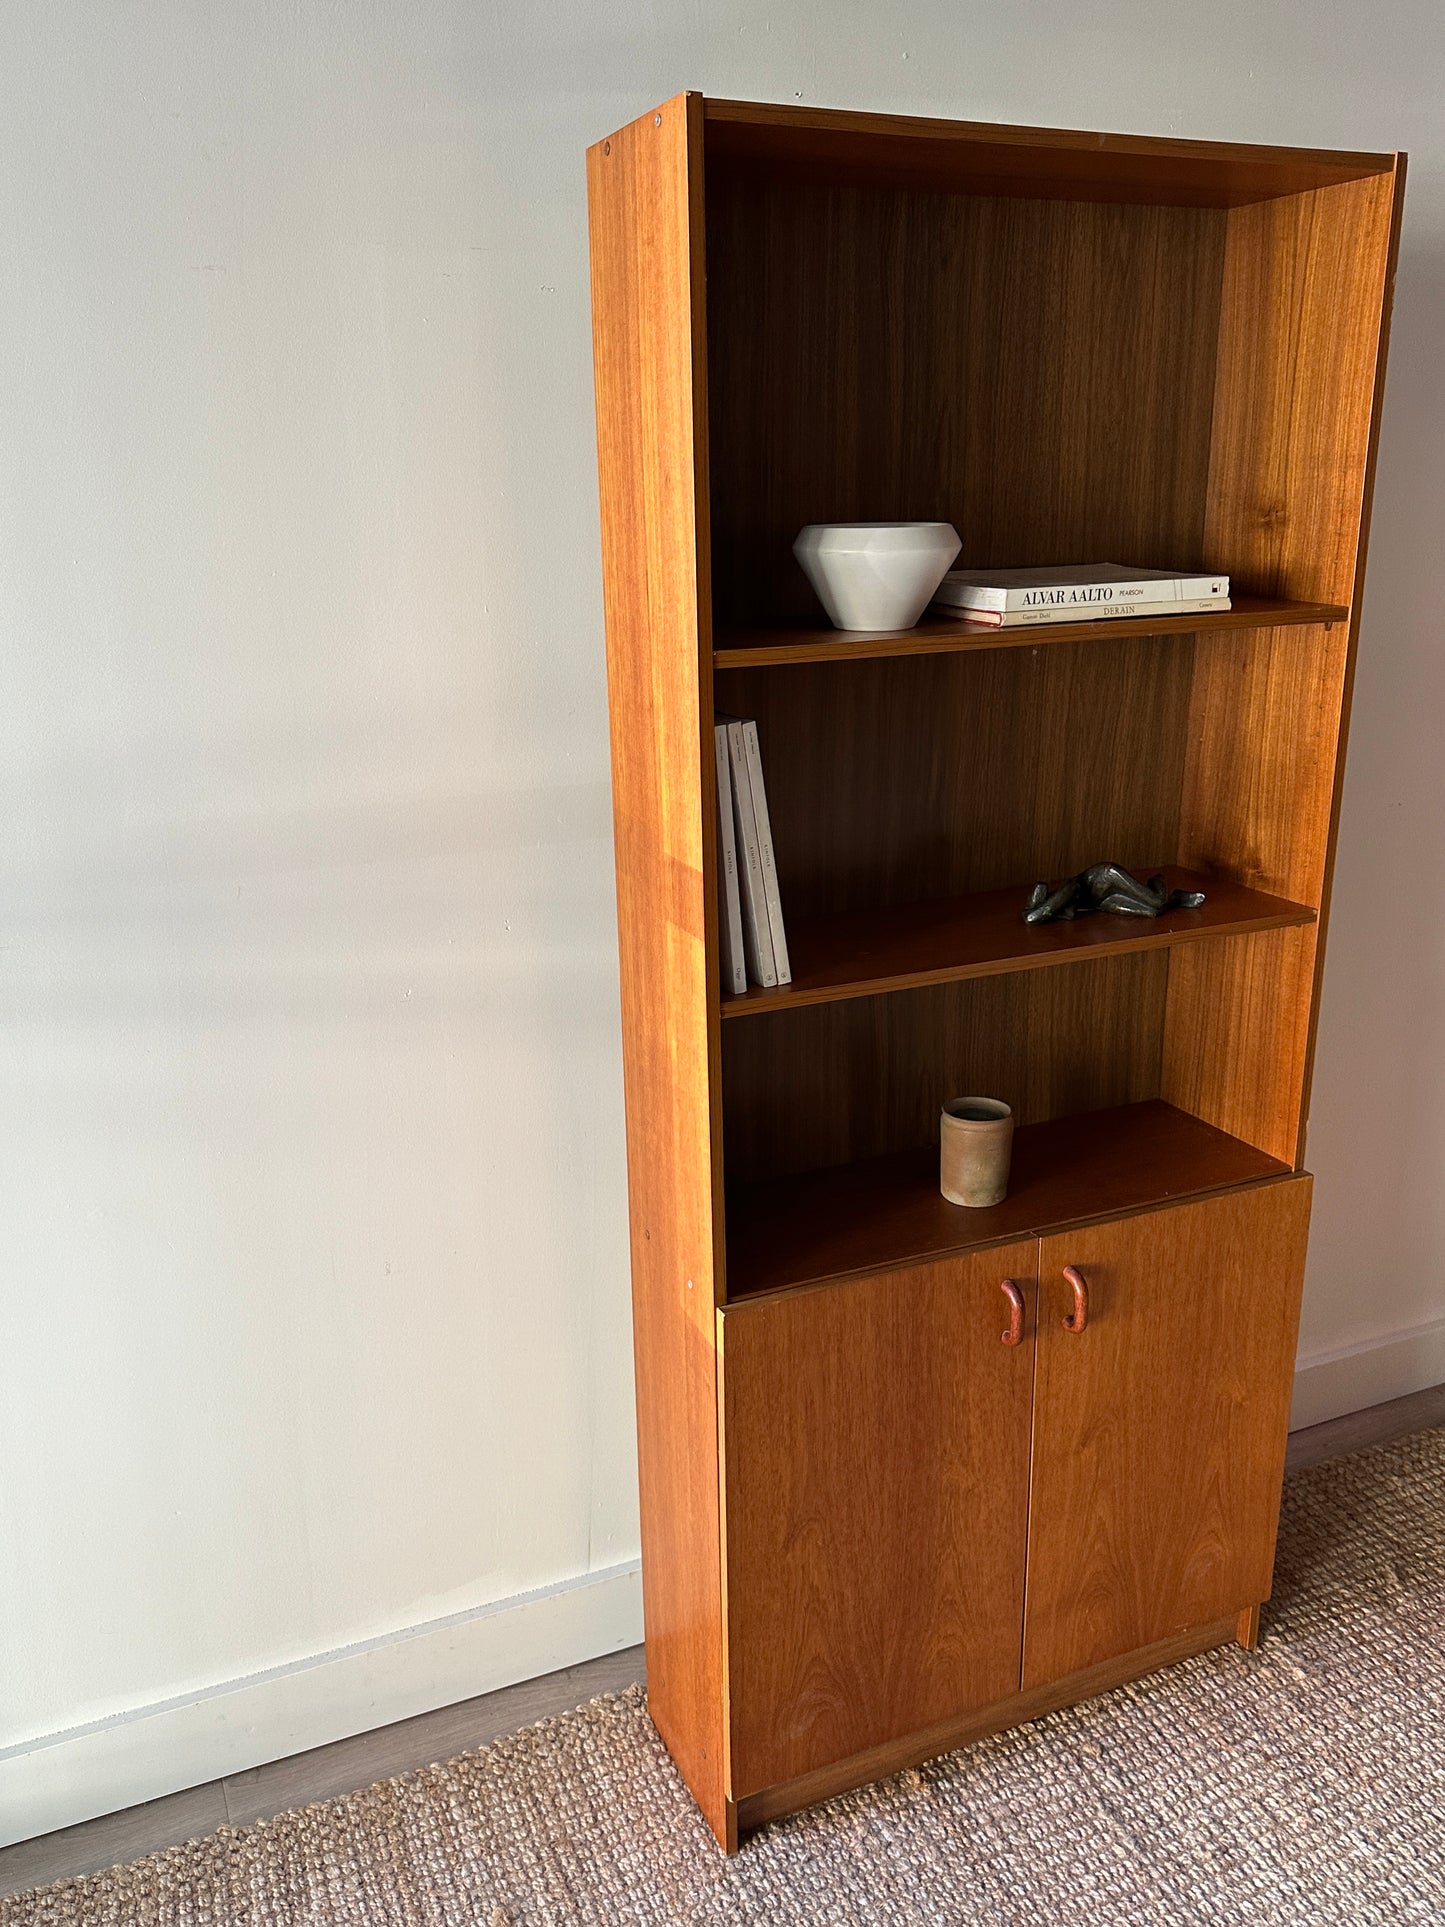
875, 1442
1159, 1429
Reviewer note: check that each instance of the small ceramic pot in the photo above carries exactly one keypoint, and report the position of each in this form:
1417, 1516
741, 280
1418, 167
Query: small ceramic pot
975, 1144
876, 575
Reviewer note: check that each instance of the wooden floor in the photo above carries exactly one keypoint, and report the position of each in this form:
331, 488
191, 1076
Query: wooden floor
349, 1764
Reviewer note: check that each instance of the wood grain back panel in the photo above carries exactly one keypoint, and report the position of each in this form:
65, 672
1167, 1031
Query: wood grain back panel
831, 1083
876, 1441
643, 192
1039, 373
895, 781
1159, 1430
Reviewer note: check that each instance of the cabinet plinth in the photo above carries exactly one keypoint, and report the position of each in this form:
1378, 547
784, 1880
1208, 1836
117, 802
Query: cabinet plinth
884, 1509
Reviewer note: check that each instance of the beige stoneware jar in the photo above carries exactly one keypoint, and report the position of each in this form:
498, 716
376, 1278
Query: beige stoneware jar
975, 1145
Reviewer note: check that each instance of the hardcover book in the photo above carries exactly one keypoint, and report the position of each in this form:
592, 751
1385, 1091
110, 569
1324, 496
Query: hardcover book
1078, 587
1093, 612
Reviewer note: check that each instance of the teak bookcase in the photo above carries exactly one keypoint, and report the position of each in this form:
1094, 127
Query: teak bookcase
871, 1529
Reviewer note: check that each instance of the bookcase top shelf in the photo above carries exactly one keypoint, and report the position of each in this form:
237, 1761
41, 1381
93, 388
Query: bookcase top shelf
888, 1211
940, 635
1047, 163
906, 946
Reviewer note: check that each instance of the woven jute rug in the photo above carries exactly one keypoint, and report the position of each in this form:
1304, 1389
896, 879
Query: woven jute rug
1302, 1783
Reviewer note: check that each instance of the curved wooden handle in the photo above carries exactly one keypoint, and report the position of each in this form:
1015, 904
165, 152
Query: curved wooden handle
1079, 1316
1015, 1332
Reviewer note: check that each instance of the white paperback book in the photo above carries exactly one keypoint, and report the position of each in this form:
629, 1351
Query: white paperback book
1094, 612
730, 908
757, 937
765, 851
1077, 586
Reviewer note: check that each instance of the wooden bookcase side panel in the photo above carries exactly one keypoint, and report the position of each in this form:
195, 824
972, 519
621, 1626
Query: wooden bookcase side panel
1301, 322
1259, 773
1259, 784
1236, 1034
1304, 328
643, 194
1386, 303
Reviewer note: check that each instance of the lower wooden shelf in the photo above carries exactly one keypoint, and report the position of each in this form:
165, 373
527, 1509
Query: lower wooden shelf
889, 1211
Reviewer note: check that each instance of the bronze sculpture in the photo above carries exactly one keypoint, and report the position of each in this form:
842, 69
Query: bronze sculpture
1106, 887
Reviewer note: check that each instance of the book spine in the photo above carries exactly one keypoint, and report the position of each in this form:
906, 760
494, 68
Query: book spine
730, 908
1110, 612
765, 852
1180, 588
757, 938
1099, 612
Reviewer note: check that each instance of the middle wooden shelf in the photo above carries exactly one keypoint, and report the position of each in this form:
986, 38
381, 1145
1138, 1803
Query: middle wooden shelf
759, 648
906, 946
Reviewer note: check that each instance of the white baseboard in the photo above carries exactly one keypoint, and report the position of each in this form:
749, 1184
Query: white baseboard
1332, 1383
61, 1778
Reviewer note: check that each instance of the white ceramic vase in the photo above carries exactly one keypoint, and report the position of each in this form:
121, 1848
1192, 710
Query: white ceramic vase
876, 575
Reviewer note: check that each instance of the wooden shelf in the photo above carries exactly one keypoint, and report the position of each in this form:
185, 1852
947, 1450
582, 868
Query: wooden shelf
888, 1211
937, 635
973, 157
909, 945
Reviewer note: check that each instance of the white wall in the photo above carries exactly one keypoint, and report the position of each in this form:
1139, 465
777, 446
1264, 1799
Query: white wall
313, 1316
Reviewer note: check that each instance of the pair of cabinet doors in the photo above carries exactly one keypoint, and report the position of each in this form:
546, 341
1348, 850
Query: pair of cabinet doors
923, 1519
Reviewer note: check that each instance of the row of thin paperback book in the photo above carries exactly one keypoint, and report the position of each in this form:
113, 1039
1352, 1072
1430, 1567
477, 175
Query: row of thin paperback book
754, 948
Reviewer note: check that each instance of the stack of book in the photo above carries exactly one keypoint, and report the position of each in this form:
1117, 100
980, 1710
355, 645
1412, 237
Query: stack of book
1083, 592
754, 948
